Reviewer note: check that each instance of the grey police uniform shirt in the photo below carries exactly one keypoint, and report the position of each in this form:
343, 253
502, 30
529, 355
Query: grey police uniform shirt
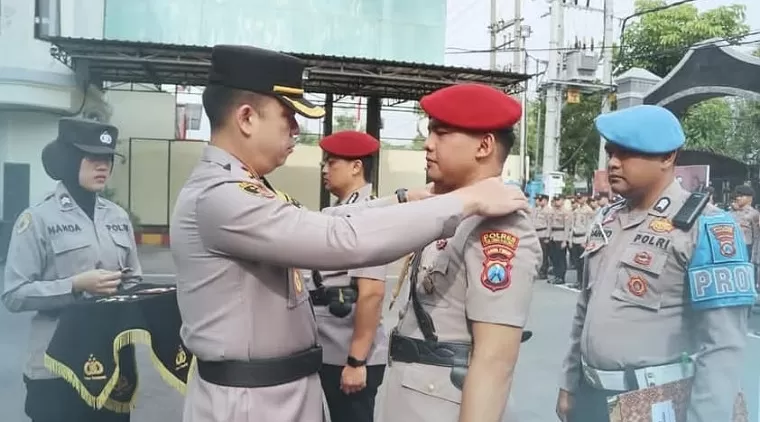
458, 282
236, 247
335, 333
51, 243
634, 309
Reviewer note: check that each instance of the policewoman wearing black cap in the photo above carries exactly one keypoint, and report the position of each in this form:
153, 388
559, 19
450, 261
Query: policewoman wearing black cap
237, 247
348, 303
72, 244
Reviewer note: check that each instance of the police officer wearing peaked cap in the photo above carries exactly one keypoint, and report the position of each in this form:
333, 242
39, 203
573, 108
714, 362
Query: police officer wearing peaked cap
348, 303
651, 275
472, 287
237, 247
72, 244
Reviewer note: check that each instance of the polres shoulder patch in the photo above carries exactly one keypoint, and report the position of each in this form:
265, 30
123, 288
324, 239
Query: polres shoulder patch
499, 249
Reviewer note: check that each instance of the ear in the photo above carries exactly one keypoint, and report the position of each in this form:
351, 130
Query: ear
670, 159
356, 167
486, 146
246, 118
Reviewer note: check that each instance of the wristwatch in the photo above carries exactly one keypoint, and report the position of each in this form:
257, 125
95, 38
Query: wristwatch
401, 195
355, 363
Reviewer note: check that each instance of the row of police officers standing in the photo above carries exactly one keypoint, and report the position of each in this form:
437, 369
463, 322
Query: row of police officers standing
668, 277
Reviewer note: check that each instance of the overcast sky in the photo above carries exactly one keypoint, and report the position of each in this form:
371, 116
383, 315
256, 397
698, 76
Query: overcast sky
467, 28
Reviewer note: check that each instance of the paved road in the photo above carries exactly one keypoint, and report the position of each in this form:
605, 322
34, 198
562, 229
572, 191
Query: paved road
532, 398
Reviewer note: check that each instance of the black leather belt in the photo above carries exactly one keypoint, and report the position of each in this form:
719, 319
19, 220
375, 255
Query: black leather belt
327, 295
438, 353
262, 372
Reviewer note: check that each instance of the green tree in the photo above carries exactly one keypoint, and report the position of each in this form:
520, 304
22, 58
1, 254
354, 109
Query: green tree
657, 41
579, 141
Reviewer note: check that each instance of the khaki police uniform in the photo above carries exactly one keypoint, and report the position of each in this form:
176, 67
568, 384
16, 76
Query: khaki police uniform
749, 220
456, 283
560, 229
52, 242
236, 247
540, 215
335, 327
582, 218
484, 273
658, 303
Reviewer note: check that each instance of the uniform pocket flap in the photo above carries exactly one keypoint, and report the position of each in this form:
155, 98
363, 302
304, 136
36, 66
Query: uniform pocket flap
63, 244
121, 239
636, 290
434, 381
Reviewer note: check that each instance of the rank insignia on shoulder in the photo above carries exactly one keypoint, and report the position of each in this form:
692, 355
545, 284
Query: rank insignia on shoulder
499, 249
661, 225
23, 223
255, 187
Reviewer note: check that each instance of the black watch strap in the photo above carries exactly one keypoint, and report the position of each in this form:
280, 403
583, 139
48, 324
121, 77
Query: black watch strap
401, 195
354, 362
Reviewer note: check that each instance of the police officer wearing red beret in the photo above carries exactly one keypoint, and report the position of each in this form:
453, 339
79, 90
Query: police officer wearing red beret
472, 288
348, 303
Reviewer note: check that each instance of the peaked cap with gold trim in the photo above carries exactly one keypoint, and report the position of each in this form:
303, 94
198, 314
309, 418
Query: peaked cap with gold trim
264, 72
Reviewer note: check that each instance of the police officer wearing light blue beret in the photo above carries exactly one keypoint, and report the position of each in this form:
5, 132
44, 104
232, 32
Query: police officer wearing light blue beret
668, 285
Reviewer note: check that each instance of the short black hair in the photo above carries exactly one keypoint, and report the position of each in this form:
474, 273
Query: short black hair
506, 138
218, 100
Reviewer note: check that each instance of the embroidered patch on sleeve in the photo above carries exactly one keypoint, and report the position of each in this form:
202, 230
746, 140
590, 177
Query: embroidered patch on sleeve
724, 234
23, 222
255, 187
499, 249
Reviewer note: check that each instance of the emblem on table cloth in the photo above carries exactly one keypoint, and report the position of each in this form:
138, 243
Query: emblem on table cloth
180, 361
643, 258
637, 285
499, 248
725, 235
661, 225
297, 281
93, 369
256, 187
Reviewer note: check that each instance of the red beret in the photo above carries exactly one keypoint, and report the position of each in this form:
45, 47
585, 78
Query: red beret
472, 106
349, 144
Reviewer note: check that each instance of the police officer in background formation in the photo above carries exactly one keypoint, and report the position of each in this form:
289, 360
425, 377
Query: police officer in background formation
71, 244
469, 287
560, 227
348, 303
651, 309
748, 219
582, 216
541, 223
245, 310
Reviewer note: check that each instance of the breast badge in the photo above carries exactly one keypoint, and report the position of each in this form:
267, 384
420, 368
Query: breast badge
724, 233
661, 225
637, 285
255, 187
440, 244
643, 258
23, 222
499, 248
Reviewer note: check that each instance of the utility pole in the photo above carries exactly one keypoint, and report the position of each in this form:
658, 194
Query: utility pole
607, 72
493, 28
553, 89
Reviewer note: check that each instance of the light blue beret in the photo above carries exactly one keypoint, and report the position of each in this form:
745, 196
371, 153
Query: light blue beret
646, 129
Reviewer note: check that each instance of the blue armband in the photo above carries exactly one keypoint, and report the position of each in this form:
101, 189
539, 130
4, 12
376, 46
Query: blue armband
720, 274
